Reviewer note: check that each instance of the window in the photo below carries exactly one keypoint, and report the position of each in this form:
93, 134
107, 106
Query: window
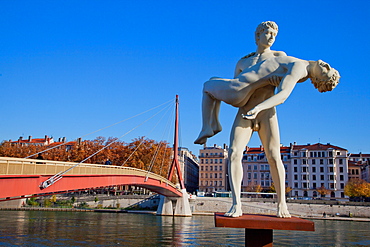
220, 168
342, 185
314, 169
321, 161
304, 169
341, 177
321, 169
215, 175
210, 183
206, 168
313, 162
201, 168
295, 169
211, 161
313, 177
220, 161
210, 175
249, 167
330, 153
211, 167
295, 177
255, 175
295, 162
331, 169
255, 167
206, 175
340, 161
220, 183
314, 185
220, 175
215, 162
249, 175
303, 154
206, 161
330, 161
322, 177
341, 169
304, 161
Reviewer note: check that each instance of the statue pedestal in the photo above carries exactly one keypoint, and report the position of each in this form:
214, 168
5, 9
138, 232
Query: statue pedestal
259, 228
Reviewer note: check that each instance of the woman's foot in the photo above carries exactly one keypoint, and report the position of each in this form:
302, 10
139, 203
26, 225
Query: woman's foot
204, 134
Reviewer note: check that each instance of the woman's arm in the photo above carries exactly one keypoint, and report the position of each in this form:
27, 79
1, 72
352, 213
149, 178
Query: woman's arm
296, 71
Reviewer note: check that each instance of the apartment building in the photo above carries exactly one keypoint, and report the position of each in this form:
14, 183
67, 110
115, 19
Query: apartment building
360, 163
190, 169
257, 170
317, 165
213, 169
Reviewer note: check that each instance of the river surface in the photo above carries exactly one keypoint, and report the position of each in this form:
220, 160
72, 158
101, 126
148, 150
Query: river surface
49, 228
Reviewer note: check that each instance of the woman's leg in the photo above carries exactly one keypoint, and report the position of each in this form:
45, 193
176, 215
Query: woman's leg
208, 107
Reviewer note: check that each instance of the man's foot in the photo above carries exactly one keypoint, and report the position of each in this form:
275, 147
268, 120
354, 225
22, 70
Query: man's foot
282, 211
204, 134
235, 211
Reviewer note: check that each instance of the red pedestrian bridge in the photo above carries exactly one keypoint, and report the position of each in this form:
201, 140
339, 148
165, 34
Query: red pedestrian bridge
21, 178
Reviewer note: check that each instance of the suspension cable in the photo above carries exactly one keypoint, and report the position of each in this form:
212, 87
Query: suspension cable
59, 175
100, 129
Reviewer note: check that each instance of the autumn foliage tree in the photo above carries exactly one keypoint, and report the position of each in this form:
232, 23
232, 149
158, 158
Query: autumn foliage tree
323, 191
357, 188
141, 153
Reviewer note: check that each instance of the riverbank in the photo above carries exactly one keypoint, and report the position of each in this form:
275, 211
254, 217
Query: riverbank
332, 210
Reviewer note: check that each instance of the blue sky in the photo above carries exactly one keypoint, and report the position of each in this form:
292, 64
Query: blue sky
69, 68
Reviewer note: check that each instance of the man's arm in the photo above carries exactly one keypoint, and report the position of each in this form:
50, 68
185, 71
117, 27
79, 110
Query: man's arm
295, 73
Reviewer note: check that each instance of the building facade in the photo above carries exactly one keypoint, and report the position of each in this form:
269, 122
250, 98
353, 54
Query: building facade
318, 166
213, 162
257, 170
190, 169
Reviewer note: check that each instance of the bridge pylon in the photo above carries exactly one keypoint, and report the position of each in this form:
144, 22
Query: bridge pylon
166, 204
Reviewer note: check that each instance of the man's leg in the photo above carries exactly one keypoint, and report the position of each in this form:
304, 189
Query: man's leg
240, 135
208, 107
270, 138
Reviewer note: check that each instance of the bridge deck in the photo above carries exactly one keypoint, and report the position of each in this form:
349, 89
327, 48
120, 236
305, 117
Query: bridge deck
22, 177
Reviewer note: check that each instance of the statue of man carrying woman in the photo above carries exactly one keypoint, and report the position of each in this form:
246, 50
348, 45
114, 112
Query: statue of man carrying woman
253, 91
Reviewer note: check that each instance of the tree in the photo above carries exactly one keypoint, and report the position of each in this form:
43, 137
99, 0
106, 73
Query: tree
323, 191
357, 188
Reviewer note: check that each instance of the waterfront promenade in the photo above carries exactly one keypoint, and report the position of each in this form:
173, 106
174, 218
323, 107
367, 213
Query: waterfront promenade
208, 205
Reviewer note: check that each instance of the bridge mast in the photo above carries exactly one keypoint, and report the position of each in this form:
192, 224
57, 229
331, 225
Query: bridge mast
175, 161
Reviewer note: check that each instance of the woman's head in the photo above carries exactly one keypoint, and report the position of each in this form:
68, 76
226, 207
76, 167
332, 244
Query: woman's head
324, 77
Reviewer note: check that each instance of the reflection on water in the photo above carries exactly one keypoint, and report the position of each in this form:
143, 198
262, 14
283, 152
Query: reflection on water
45, 228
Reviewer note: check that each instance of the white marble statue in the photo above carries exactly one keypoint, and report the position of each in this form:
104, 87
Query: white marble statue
253, 91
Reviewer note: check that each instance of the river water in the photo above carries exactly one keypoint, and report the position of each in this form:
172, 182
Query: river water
49, 228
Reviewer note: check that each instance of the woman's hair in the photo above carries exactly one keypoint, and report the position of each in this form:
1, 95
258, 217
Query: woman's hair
328, 84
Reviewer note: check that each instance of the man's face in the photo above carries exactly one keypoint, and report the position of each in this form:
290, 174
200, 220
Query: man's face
267, 37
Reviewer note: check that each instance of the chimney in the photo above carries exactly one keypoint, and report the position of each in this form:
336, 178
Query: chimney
20, 138
225, 147
79, 141
46, 137
64, 139
29, 138
204, 145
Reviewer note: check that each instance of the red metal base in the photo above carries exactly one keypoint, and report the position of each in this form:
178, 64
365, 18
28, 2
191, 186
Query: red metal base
259, 228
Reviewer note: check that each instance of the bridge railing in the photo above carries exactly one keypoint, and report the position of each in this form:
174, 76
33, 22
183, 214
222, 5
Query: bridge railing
20, 166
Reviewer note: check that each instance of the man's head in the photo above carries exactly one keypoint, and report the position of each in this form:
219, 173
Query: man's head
324, 77
262, 28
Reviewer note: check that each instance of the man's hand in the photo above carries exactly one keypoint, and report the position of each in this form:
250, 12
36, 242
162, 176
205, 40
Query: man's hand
252, 114
275, 80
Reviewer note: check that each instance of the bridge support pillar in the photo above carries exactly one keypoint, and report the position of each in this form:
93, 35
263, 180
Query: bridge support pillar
165, 206
182, 206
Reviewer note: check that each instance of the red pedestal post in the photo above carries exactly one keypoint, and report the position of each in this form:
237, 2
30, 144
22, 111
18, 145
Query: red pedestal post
259, 228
